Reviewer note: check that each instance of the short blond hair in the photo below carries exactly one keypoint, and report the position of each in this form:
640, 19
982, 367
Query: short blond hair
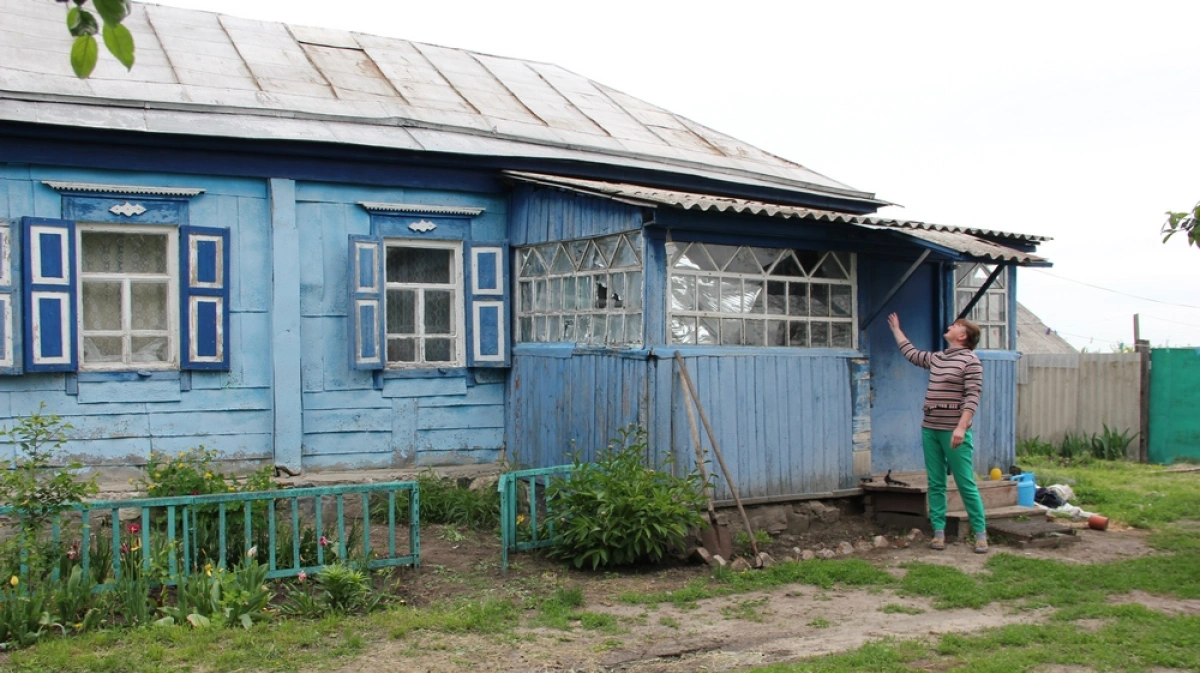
972, 332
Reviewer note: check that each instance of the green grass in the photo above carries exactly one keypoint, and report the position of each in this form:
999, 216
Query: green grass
1143, 496
898, 609
490, 615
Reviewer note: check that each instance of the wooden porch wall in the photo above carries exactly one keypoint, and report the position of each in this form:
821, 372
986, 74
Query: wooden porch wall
1057, 394
995, 424
543, 214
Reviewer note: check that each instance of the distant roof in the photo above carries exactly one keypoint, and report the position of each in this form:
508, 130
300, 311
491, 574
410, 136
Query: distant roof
1033, 336
206, 74
966, 241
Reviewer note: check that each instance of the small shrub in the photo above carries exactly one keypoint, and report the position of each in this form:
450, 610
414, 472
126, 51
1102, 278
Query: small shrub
616, 511
338, 588
741, 541
444, 502
1028, 448
1111, 444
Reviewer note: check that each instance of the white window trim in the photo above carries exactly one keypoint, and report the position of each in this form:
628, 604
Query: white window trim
173, 331
995, 290
851, 282
459, 313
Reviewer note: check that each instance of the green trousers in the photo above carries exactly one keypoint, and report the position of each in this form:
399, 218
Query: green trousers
961, 461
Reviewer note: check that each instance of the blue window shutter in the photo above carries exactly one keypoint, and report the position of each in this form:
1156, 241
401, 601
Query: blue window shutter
365, 265
50, 282
204, 298
10, 340
487, 290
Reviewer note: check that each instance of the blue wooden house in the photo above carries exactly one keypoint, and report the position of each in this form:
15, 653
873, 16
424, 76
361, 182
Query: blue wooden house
325, 249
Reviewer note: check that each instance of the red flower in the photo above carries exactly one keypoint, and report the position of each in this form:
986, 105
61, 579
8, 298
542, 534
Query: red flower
324, 541
134, 529
195, 492
124, 547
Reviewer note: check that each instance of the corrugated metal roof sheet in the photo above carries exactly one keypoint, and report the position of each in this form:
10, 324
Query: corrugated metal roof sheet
966, 241
202, 73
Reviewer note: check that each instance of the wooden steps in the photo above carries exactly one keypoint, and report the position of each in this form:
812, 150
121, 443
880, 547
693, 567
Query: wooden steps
907, 506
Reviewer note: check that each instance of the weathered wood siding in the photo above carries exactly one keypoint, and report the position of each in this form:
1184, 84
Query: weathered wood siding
118, 419
996, 423
358, 419
542, 214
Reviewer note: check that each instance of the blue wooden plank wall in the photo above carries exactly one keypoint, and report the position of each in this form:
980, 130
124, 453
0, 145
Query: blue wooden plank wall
782, 420
540, 215
352, 419
561, 402
117, 420
996, 422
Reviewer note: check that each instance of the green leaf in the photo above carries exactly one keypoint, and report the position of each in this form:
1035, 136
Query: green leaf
81, 22
198, 621
112, 11
83, 56
119, 41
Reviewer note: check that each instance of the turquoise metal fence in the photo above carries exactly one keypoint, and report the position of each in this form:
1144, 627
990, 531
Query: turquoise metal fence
174, 524
526, 519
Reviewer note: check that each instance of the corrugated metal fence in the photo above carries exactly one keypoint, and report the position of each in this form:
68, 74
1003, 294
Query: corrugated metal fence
1078, 393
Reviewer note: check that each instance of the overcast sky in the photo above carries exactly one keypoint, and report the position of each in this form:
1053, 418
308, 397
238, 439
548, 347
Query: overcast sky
1075, 120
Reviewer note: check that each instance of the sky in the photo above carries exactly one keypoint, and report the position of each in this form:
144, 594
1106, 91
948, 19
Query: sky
1074, 120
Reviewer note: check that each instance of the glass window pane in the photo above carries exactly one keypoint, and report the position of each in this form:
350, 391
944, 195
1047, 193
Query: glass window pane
707, 331
683, 330
809, 260
607, 247
996, 337
841, 336
438, 312
777, 333
439, 350
731, 295
695, 258
402, 350
103, 349
624, 256
617, 291
777, 297
525, 332
995, 312
819, 299
788, 267
420, 265
554, 296
841, 300
743, 261
633, 288
706, 294
601, 300
568, 328
593, 259
583, 292
683, 293
756, 332
562, 262
568, 292
113, 252
525, 296
797, 299
599, 328
150, 348
829, 268
148, 306
554, 328
401, 312
721, 254
818, 334
766, 257
731, 332
539, 328
101, 305
633, 328
753, 293
616, 329
583, 331
540, 301
798, 334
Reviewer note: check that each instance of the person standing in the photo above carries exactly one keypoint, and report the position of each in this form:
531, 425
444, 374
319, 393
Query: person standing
955, 382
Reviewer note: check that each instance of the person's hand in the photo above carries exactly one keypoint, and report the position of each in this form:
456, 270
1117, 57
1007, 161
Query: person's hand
957, 437
894, 322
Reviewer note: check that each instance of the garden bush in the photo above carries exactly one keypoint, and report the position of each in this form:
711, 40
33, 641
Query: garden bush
444, 502
617, 511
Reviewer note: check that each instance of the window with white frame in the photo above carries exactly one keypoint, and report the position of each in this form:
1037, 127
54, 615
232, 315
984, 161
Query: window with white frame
127, 308
753, 296
991, 311
424, 304
586, 291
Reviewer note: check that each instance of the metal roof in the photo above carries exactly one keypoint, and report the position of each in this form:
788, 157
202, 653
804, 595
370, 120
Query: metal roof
200, 73
966, 241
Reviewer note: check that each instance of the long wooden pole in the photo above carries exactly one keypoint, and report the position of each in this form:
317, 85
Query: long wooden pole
712, 439
691, 415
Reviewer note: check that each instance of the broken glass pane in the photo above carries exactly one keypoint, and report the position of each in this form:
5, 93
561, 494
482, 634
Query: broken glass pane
756, 332
633, 286
683, 330
777, 333
401, 312
402, 350
149, 349
439, 350
721, 254
633, 328
776, 297
841, 336
616, 291
797, 299
568, 328
592, 260
568, 290
798, 334
818, 334
707, 331
788, 266
841, 300
818, 300
419, 265
731, 332
601, 292
624, 256
103, 349
706, 294
731, 295
438, 305
562, 261
743, 261
829, 268
583, 330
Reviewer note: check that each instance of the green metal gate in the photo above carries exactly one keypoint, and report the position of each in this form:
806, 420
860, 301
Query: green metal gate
526, 521
1174, 424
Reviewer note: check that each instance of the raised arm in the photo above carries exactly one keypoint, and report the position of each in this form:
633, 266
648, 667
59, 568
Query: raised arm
919, 358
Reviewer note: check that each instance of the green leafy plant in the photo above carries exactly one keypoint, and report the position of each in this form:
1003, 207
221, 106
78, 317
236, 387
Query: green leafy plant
616, 511
75, 601
1111, 444
741, 541
23, 615
338, 588
445, 502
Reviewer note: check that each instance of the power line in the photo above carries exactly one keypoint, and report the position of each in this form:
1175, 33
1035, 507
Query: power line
1106, 289
1176, 322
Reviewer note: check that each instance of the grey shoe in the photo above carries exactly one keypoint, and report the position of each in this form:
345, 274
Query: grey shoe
981, 547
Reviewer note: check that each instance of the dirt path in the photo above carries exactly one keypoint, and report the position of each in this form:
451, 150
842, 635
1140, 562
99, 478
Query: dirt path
720, 634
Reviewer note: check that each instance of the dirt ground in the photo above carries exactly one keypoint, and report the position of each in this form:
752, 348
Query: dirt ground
721, 634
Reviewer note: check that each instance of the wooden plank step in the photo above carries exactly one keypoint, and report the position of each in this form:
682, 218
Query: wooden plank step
1034, 533
958, 524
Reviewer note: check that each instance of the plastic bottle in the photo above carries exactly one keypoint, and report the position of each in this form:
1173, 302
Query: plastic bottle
1026, 488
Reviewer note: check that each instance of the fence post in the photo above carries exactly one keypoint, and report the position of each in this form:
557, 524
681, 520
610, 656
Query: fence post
1142, 346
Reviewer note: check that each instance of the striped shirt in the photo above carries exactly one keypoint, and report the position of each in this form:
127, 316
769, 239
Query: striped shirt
955, 381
